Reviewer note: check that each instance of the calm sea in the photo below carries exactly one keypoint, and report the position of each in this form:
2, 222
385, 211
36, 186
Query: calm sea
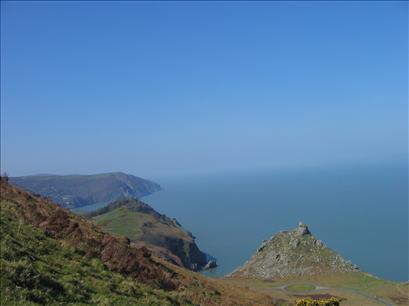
361, 212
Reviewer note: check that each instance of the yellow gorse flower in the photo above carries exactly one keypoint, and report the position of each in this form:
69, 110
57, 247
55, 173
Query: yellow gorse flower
332, 301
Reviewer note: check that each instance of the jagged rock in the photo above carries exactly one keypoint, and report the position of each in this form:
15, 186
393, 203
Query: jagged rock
261, 247
291, 253
176, 222
302, 229
211, 264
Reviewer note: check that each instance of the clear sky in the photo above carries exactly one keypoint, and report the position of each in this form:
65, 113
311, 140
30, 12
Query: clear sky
165, 88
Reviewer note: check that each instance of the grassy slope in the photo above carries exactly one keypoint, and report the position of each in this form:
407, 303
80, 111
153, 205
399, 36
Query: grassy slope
145, 227
38, 269
123, 222
354, 288
41, 266
130, 224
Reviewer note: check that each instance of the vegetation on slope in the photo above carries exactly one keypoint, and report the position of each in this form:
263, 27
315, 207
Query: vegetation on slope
37, 269
51, 256
123, 222
146, 227
84, 236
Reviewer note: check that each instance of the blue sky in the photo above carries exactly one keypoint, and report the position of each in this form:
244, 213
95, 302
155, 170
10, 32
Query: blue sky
173, 88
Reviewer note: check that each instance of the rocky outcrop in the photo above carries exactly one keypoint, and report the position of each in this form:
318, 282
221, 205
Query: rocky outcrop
302, 229
210, 265
293, 253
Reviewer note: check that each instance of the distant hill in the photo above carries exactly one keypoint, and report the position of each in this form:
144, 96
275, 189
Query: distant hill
293, 253
74, 191
146, 227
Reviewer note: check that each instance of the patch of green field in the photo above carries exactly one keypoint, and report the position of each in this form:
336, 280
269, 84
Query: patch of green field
300, 287
353, 280
122, 221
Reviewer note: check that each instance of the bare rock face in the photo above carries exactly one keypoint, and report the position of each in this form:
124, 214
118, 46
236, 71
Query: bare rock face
293, 253
302, 229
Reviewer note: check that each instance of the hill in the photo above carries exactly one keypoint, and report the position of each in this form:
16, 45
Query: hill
295, 252
295, 264
74, 191
52, 256
146, 227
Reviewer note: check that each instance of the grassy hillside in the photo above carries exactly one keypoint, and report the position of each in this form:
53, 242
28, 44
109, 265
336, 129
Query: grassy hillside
352, 288
37, 269
79, 190
120, 221
146, 227
51, 256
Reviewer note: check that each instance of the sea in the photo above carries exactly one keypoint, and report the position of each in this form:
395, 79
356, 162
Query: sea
360, 211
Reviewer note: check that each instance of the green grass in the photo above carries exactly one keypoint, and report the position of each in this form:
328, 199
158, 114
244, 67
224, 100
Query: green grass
122, 222
36, 269
300, 287
364, 282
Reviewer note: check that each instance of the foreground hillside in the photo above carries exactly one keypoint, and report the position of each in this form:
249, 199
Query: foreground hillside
37, 269
146, 227
51, 256
74, 191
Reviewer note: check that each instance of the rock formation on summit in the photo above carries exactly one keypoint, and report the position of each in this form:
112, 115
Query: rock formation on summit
293, 253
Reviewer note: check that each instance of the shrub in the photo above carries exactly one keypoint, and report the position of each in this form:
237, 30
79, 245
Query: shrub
332, 301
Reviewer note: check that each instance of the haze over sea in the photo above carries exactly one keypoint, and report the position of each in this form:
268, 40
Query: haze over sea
359, 211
